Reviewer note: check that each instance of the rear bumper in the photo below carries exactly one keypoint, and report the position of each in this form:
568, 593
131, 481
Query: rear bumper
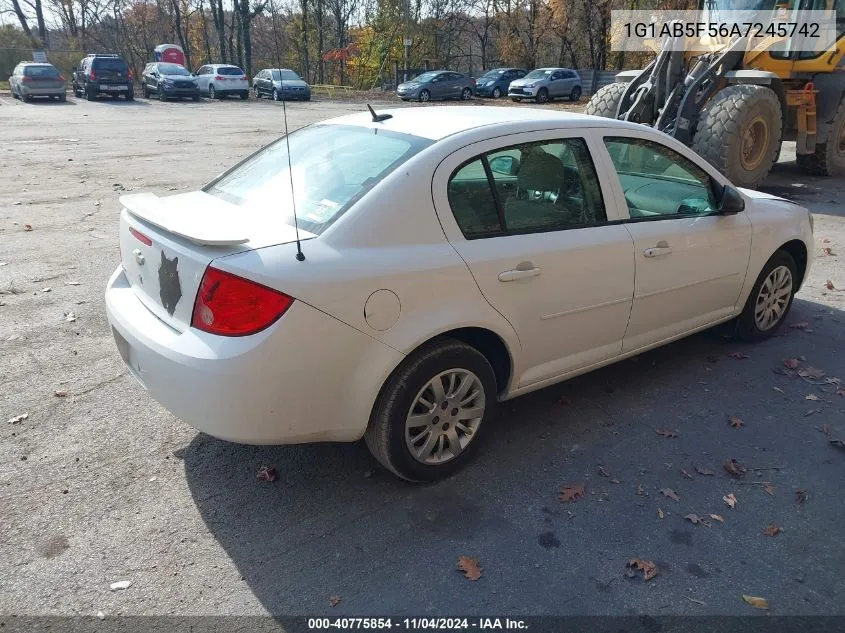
301, 380
120, 88
42, 92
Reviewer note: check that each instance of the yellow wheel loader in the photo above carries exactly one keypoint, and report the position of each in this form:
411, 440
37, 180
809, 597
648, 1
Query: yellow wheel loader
736, 103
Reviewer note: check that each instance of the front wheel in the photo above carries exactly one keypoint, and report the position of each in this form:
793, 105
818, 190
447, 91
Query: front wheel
770, 299
543, 96
496, 93
431, 411
575, 95
255, 92
516, 99
425, 96
275, 95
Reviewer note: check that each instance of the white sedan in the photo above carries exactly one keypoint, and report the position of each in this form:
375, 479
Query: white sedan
451, 258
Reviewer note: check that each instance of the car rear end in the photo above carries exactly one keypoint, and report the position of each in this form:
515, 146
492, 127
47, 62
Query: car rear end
111, 76
42, 80
229, 80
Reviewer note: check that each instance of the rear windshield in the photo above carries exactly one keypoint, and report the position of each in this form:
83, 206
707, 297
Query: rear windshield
229, 71
333, 166
114, 64
40, 71
172, 69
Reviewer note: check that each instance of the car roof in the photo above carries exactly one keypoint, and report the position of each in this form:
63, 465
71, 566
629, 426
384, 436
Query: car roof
440, 122
35, 64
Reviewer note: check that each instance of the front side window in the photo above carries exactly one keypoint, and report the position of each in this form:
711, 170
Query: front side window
332, 167
543, 186
658, 182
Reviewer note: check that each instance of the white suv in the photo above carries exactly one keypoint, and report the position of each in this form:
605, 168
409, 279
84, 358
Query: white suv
222, 80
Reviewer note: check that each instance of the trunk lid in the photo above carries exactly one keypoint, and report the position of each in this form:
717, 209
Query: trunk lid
167, 243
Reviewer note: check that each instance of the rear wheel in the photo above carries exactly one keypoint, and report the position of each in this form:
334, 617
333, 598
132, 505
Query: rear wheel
739, 133
770, 299
195, 98
244, 95
212, 93
542, 96
130, 95
90, 95
63, 97
575, 95
466, 94
605, 102
829, 157
431, 411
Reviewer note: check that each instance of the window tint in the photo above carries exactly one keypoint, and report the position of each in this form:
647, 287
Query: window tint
537, 187
658, 181
41, 72
172, 69
114, 64
230, 71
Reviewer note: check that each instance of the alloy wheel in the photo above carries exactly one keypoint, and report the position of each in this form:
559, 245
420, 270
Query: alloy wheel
773, 298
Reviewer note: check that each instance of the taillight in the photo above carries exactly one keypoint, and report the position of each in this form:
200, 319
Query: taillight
61, 77
26, 79
229, 305
93, 74
140, 237
218, 78
130, 74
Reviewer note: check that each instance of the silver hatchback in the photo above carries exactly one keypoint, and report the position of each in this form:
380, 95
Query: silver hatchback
544, 84
35, 79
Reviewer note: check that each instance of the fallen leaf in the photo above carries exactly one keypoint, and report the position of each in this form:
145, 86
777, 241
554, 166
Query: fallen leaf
769, 489
685, 474
28, 227
717, 517
703, 471
666, 432
757, 603
828, 251
120, 584
659, 513
60, 394
839, 443
730, 499
48, 289
572, 493
671, 494
791, 363
828, 284
735, 422
801, 496
738, 355
472, 570
801, 325
266, 473
70, 317
693, 518
648, 568
334, 601
811, 396
772, 530
734, 468
18, 418
811, 372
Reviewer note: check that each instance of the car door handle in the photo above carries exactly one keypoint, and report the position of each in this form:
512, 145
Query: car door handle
520, 272
662, 248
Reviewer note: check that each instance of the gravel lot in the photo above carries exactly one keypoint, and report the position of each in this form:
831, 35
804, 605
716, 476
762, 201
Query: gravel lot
99, 484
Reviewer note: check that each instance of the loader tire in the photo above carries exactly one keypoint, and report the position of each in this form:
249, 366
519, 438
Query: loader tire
606, 100
829, 157
739, 133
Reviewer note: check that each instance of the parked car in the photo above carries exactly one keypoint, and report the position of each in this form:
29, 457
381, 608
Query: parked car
494, 83
103, 73
33, 79
437, 84
167, 81
545, 84
511, 215
280, 83
218, 81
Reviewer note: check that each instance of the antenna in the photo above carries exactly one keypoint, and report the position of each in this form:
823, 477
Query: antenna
300, 256
378, 118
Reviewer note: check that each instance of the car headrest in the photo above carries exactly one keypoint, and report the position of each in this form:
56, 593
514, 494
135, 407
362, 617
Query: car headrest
540, 171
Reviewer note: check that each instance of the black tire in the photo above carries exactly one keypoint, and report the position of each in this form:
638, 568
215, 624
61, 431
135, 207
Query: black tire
276, 96
575, 95
725, 122
212, 93
130, 95
145, 91
466, 94
256, 92
244, 95
161, 95
63, 98
829, 157
497, 93
747, 328
89, 95
426, 98
385, 435
605, 101
542, 96
195, 98
26, 98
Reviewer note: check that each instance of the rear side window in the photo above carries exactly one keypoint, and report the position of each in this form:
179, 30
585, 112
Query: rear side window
333, 167
230, 71
41, 72
531, 187
114, 64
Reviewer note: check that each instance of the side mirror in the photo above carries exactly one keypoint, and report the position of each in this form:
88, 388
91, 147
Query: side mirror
505, 165
731, 202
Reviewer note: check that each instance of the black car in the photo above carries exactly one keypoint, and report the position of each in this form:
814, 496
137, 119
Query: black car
103, 73
169, 81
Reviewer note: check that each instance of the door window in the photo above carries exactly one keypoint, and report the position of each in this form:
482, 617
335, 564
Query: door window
658, 182
531, 187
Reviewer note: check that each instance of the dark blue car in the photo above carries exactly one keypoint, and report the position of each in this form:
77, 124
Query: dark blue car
494, 83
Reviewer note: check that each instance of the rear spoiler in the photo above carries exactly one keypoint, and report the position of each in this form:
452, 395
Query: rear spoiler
195, 216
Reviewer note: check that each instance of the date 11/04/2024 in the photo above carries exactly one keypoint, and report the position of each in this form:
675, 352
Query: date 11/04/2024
413, 624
